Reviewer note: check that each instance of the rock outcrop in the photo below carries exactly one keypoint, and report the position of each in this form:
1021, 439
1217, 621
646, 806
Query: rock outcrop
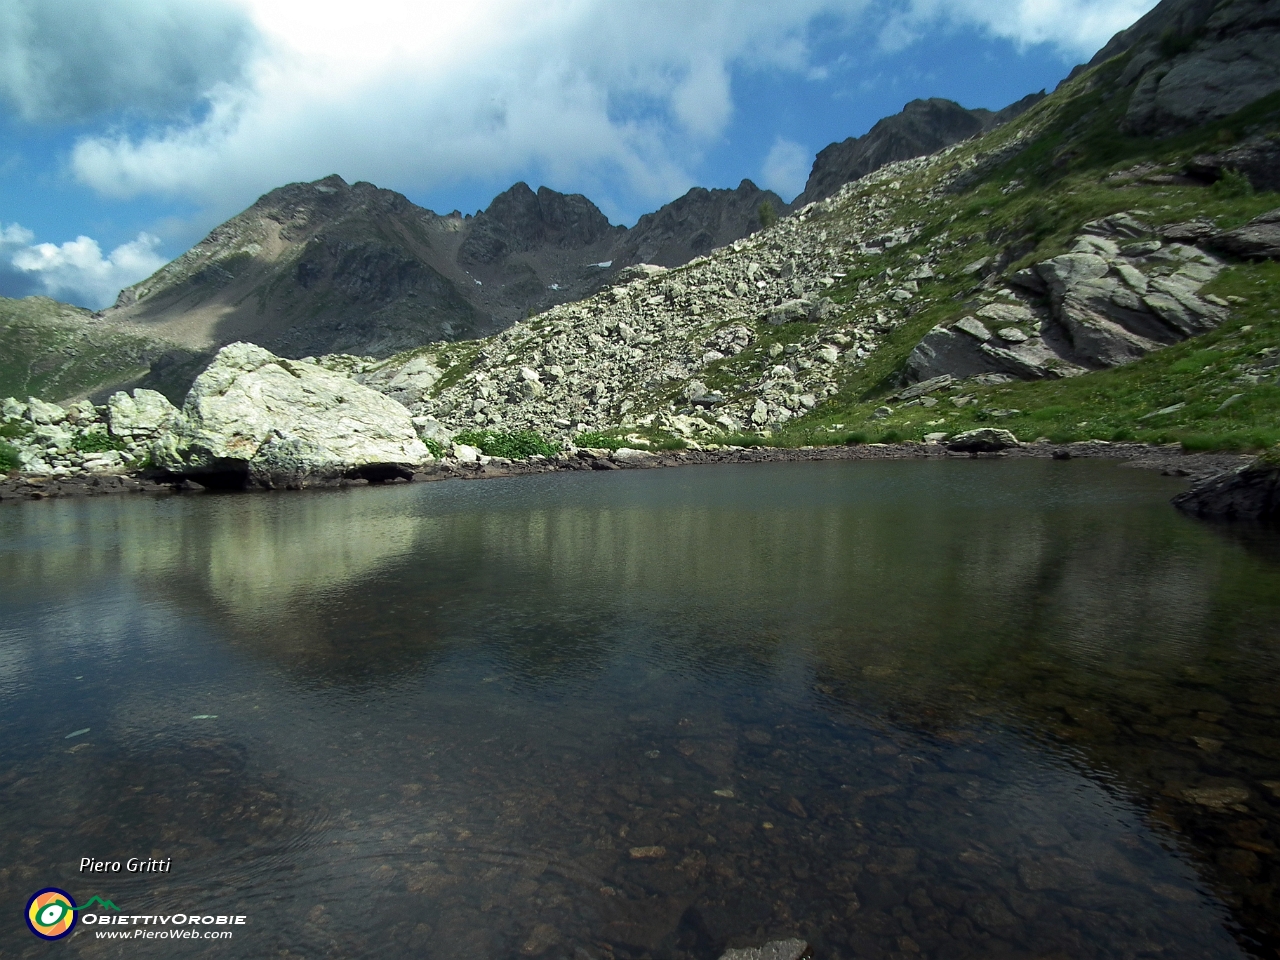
255, 418
1251, 492
923, 127
1259, 239
1193, 61
983, 440
1256, 158
793, 949
1119, 294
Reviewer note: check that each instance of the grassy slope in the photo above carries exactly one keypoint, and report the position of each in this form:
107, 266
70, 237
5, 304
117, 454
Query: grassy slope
1064, 171
53, 351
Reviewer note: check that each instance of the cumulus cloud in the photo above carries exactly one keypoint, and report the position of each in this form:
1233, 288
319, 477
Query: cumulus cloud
75, 272
428, 92
73, 59
786, 168
1078, 28
425, 93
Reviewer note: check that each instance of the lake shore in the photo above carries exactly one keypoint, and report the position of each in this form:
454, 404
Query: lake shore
1171, 460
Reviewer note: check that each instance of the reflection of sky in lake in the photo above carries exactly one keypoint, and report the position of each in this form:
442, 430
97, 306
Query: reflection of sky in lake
965, 697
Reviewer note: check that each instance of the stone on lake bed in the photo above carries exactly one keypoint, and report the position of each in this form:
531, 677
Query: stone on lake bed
774, 950
1217, 795
648, 853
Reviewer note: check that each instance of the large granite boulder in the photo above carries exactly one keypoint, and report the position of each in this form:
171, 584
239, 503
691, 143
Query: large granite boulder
253, 417
1251, 492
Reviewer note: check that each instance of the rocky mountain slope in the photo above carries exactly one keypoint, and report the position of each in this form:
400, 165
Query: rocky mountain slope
923, 127
1053, 276
325, 266
1194, 61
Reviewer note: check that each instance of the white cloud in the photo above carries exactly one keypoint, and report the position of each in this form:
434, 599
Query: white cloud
1078, 28
786, 168
77, 272
420, 94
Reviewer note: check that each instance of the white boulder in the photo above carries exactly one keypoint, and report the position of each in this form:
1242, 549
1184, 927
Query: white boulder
255, 417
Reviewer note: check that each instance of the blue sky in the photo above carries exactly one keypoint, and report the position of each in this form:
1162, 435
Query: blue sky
128, 130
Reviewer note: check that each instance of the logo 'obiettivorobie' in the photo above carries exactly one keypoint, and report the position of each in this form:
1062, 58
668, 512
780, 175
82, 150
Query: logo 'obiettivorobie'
51, 913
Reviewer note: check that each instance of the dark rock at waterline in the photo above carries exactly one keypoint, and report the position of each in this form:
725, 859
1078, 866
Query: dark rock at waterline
983, 440
1251, 492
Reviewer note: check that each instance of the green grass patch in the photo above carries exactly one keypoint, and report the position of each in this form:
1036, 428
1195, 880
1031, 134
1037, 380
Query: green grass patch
16, 429
96, 441
744, 440
599, 441
8, 457
513, 446
434, 447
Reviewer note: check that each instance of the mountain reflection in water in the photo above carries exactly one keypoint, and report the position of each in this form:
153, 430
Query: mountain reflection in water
948, 709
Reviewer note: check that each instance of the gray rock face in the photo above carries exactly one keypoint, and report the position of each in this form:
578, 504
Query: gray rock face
1257, 239
143, 416
695, 224
37, 411
1104, 304
1257, 158
1192, 61
1249, 493
254, 417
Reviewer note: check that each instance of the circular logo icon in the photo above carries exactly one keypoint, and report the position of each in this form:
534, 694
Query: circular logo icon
51, 913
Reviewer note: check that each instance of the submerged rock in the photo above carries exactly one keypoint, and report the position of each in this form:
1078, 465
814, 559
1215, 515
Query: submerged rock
1251, 492
774, 950
255, 417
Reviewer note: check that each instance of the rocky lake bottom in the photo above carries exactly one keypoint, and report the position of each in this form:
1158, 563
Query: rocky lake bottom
947, 708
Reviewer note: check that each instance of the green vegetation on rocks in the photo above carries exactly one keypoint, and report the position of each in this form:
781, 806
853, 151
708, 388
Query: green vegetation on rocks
513, 446
8, 457
96, 441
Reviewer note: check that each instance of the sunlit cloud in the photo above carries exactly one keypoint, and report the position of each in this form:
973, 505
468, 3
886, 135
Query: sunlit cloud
76, 271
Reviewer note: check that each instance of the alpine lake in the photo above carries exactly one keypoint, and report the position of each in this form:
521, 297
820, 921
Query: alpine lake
952, 709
